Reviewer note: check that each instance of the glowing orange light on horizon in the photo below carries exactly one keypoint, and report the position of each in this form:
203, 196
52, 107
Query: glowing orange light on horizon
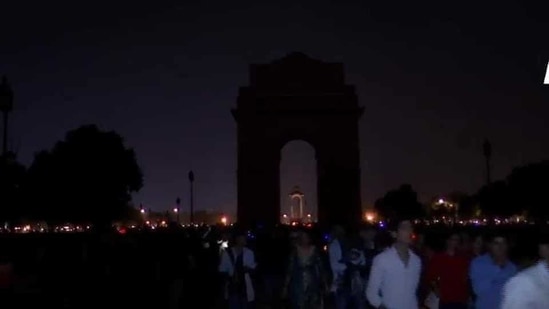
370, 216
224, 220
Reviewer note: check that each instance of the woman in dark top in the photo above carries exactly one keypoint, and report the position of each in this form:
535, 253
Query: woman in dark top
305, 282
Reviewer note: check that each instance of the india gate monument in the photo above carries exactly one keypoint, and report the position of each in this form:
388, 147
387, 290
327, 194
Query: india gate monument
298, 98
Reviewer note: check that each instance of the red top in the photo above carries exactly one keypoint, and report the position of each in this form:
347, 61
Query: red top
5, 276
452, 273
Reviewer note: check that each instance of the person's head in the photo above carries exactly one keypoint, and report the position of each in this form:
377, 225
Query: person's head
304, 239
453, 241
294, 238
338, 231
465, 238
498, 246
368, 233
402, 230
477, 245
239, 239
543, 247
226, 236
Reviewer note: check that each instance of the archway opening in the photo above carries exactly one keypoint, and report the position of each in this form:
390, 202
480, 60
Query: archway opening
298, 183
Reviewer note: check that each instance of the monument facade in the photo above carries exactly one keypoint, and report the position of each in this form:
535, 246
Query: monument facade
298, 98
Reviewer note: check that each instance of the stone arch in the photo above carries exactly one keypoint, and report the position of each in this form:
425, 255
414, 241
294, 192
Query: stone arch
298, 98
298, 178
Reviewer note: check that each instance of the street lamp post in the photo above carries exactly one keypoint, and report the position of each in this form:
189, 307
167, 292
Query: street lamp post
191, 180
177, 208
487, 152
6, 106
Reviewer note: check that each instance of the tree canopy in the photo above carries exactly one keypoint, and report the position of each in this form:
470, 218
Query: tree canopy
494, 200
12, 175
524, 190
528, 187
402, 201
87, 177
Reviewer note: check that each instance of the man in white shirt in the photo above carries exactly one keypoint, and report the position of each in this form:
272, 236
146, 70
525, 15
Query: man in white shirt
395, 273
236, 263
530, 288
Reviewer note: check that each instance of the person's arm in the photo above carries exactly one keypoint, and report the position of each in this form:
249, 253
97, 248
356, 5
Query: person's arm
374, 283
432, 273
335, 255
517, 294
250, 262
225, 263
362, 260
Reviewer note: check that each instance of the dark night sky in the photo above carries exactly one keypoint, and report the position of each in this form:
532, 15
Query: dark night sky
434, 81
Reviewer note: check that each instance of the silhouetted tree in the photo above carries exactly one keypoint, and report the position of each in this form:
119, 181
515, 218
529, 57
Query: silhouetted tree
464, 202
88, 177
11, 178
494, 200
402, 202
528, 186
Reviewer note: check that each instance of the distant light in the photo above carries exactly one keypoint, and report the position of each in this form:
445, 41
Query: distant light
308, 215
441, 201
284, 216
175, 210
142, 210
224, 220
370, 217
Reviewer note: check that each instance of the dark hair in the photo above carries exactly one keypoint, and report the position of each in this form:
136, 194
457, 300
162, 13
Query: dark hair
367, 227
239, 231
496, 234
543, 239
451, 232
394, 223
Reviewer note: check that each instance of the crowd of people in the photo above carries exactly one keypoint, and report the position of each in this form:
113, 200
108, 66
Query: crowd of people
396, 267
400, 273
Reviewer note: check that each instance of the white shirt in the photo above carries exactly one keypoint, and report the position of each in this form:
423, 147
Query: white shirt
393, 284
528, 289
248, 260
